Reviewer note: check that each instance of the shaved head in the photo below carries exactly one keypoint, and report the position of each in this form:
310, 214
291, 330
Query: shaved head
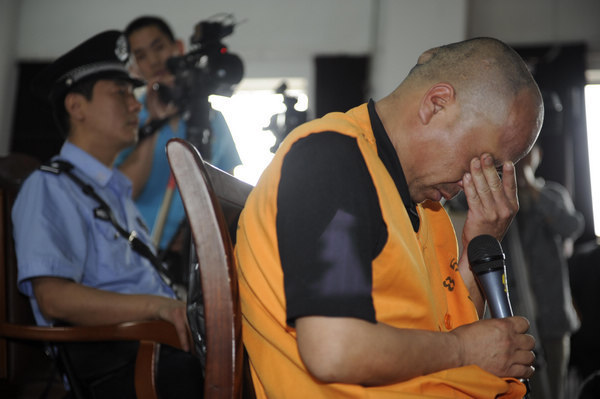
458, 102
475, 59
487, 75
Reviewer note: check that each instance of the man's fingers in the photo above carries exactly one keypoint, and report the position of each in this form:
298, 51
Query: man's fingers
479, 179
182, 330
490, 191
521, 371
491, 174
487, 184
469, 189
525, 358
183, 338
509, 183
520, 324
526, 342
509, 177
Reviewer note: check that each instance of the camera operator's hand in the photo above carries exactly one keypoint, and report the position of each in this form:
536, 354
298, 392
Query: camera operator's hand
157, 109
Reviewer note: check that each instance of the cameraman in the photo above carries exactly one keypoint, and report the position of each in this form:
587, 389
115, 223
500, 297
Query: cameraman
151, 43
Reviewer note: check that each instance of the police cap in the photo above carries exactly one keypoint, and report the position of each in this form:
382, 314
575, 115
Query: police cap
103, 56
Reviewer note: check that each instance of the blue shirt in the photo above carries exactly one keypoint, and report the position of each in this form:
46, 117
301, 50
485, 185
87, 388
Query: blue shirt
57, 235
224, 156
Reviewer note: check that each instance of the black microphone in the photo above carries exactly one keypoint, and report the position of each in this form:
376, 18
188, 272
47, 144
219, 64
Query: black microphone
487, 263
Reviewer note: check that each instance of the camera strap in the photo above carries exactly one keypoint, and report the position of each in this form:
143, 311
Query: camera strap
152, 127
104, 212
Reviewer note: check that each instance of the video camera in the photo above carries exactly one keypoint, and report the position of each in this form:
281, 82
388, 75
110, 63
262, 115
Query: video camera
208, 68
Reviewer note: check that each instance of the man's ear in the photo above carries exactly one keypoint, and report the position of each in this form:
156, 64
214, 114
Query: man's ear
74, 104
436, 99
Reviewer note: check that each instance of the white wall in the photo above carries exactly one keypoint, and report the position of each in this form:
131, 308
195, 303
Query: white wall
278, 37
281, 37
406, 29
274, 33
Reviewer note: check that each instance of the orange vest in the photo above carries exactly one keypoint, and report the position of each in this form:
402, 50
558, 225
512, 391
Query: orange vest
416, 284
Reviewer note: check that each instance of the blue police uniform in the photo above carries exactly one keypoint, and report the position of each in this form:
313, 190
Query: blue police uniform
56, 233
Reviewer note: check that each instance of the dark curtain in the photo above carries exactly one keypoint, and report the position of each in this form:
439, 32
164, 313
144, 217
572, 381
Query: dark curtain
33, 132
560, 73
341, 83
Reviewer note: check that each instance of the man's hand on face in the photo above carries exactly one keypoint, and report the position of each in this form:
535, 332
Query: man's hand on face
492, 200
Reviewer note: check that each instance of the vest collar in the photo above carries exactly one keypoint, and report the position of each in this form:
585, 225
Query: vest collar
390, 159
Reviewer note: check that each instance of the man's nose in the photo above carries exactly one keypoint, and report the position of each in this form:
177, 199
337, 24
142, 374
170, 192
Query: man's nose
134, 104
155, 58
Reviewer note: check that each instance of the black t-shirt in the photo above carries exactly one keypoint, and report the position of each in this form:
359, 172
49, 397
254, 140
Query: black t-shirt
329, 223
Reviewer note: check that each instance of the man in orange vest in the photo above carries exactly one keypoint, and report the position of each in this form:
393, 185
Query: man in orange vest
350, 280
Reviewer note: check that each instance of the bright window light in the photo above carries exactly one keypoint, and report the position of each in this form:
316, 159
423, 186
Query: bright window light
248, 112
592, 108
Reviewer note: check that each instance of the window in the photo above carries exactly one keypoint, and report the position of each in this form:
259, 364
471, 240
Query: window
248, 112
592, 110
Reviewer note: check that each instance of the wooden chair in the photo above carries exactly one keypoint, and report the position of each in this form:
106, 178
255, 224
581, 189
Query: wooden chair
16, 358
206, 193
17, 325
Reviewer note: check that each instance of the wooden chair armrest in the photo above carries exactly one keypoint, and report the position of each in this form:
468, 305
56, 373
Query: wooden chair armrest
148, 330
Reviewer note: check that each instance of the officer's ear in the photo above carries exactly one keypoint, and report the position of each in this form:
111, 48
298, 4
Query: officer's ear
74, 105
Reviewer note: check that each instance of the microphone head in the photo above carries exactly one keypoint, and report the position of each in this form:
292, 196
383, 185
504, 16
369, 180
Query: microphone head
485, 254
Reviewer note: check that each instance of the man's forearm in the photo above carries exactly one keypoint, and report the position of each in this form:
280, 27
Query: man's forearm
65, 300
372, 354
354, 351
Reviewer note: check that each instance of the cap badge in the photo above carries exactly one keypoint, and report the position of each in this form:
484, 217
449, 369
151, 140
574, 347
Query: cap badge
121, 48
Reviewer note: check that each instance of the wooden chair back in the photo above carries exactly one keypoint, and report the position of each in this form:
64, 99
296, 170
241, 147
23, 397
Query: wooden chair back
16, 358
205, 192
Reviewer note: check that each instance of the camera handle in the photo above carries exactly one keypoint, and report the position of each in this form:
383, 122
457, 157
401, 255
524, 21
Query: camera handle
199, 131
